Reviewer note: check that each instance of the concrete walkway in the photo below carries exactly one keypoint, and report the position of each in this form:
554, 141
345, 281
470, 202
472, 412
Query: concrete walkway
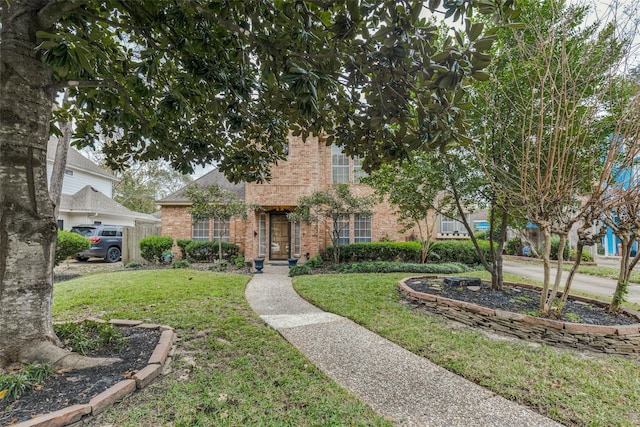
403, 387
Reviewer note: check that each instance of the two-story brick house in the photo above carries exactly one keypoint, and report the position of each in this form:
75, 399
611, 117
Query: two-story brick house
310, 166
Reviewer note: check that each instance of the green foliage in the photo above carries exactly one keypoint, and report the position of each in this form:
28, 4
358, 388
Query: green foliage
140, 186
300, 270
513, 246
239, 261
133, 264
394, 73
457, 251
183, 263
378, 251
15, 385
330, 207
86, 336
182, 244
153, 247
555, 245
206, 251
70, 244
314, 261
399, 267
584, 257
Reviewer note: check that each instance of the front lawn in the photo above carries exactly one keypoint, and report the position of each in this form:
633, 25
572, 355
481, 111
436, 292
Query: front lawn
230, 368
572, 388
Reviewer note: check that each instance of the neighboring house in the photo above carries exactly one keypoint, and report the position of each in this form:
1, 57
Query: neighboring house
87, 192
267, 232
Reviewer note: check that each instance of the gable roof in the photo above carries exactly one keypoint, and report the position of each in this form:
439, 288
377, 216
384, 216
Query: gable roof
77, 161
91, 200
206, 180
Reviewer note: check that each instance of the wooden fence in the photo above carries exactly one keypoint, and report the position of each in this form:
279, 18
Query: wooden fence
131, 237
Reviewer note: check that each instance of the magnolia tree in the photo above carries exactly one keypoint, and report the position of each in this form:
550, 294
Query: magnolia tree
198, 82
333, 208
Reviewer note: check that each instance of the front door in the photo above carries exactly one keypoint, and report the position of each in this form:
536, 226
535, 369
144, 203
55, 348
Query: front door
279, 237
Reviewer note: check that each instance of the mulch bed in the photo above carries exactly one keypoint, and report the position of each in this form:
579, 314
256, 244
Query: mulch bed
77, 387
519, 300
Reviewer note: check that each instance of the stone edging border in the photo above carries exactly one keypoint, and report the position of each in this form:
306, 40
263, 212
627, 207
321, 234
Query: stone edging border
616, 339
157, 361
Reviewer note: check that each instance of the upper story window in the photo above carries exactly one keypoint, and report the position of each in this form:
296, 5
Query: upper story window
345, 169
358, 173
339, 166
68, 172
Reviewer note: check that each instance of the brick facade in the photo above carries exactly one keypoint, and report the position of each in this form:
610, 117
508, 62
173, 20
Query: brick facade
307, 169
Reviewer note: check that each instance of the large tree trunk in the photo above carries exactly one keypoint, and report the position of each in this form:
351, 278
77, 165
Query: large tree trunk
27, 225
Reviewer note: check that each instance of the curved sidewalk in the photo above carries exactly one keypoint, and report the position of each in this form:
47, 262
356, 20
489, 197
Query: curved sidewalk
397, 384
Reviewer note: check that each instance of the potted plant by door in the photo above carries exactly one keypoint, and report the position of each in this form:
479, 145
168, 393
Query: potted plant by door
293, 262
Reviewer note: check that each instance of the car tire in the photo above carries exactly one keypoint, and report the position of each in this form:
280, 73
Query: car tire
113, 254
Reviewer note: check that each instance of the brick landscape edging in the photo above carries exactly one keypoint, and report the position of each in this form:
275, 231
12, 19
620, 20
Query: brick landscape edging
119, 391
616, 339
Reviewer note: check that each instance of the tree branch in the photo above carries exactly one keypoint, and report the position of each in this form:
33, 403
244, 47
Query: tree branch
56, 9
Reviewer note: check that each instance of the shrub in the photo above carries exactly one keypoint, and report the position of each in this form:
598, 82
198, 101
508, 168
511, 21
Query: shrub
70, 244
206, 251
315, 261
457, 251
133, 264
585, 257
399, 267
182, 244
378, 251
181, 264
86, 336
239, 261
152, 247
513, 246
14, 385
300, 270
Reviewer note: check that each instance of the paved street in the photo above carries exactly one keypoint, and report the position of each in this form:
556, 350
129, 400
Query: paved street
582, 282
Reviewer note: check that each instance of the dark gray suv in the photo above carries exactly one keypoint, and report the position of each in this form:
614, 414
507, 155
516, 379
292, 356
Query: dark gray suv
106, 241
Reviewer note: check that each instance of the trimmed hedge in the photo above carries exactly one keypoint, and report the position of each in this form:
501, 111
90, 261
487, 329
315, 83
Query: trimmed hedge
206, 251
69, 244
378, 251
382, 267
152, 247
457, 251
447, 251
399, 267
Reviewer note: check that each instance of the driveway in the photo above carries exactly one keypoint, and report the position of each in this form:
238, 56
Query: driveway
581, 282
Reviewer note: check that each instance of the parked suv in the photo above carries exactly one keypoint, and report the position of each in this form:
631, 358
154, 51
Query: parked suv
106, 241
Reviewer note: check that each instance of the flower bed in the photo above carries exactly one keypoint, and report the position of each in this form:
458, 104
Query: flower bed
621, 339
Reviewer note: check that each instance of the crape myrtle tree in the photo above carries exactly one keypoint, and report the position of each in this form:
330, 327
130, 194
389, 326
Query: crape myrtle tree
333, 208
620, 195
193, 82
214, 202
551, 157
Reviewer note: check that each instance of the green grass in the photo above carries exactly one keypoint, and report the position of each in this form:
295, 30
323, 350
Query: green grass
238, 372
564, 385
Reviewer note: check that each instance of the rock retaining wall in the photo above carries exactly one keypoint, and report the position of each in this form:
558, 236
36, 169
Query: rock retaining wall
624, 340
